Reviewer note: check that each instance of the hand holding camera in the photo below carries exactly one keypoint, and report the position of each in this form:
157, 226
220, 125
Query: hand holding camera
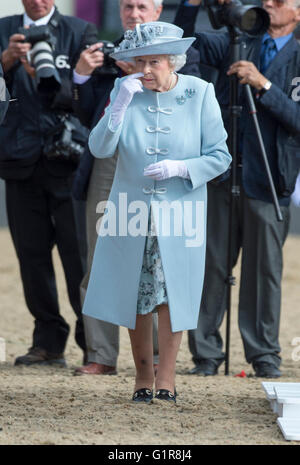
96, 60
38, 43
16, 50
90, 59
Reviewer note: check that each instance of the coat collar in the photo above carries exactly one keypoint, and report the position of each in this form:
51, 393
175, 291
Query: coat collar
40, 22
18, 20
252, 53
282, 58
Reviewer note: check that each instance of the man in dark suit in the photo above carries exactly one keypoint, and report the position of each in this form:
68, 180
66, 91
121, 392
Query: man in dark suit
94, 176
270, 64
38, 186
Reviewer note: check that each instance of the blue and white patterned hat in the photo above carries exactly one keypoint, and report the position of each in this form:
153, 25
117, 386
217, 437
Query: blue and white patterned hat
154, 38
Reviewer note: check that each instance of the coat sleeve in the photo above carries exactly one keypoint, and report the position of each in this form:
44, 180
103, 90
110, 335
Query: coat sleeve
104, 139
284, 109
91, 97
186, 17
214, 158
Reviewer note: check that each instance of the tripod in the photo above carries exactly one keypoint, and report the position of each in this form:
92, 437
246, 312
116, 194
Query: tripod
235, 113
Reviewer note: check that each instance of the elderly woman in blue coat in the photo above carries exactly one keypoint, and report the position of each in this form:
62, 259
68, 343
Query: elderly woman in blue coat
150, 253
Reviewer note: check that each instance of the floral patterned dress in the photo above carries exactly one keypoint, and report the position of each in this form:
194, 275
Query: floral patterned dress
152, 288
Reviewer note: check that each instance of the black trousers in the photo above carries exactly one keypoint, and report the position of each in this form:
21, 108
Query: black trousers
260, 237
41, 214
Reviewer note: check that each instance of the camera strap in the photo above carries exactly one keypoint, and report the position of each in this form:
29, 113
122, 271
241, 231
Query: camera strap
55, 19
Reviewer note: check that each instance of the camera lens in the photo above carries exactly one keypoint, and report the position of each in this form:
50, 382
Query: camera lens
254, 21
43, 61
248, 21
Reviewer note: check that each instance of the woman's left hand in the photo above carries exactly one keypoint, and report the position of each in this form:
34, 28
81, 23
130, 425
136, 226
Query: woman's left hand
166, 169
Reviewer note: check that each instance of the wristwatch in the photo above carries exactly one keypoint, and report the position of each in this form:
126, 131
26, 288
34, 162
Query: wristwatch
266, 87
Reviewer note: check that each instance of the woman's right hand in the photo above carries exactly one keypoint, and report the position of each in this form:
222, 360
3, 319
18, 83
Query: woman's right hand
129, 86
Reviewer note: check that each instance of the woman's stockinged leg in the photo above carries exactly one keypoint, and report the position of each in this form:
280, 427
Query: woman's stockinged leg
168, 344
142, 350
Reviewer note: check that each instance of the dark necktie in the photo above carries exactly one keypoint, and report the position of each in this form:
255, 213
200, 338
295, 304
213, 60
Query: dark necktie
268, 53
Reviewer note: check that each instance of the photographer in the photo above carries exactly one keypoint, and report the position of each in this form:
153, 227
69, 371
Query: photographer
271, 62
94, 177
41, 142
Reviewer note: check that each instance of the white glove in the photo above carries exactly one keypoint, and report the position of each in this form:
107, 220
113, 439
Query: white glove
128, 88
167, 169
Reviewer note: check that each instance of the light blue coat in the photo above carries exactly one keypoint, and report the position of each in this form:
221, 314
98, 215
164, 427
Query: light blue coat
185, 124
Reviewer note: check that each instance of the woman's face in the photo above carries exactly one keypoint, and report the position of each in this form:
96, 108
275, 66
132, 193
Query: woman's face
157, 72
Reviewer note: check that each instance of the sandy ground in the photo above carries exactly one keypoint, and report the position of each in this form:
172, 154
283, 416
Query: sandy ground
51, 406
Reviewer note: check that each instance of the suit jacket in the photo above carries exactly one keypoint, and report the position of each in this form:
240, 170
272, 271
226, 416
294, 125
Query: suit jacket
90, 100
278, 113
156, 125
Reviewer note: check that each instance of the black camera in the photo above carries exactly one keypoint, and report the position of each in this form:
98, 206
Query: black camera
41, 57
109, 67
60, 144
250, 19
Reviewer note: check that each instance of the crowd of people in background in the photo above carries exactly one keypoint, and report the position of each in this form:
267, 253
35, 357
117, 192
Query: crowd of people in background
48, 180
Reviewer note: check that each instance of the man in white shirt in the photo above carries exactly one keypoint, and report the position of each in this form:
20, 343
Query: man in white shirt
38, 187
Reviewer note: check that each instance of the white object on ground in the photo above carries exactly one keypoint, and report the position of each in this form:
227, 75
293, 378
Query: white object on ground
269, 388
270, 392
288, 401
285, 402
290, 428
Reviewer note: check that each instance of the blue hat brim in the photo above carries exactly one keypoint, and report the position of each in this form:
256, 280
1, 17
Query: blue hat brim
172, 47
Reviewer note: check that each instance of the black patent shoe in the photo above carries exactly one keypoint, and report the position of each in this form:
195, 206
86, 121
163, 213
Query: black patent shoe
164, 394
143, 395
